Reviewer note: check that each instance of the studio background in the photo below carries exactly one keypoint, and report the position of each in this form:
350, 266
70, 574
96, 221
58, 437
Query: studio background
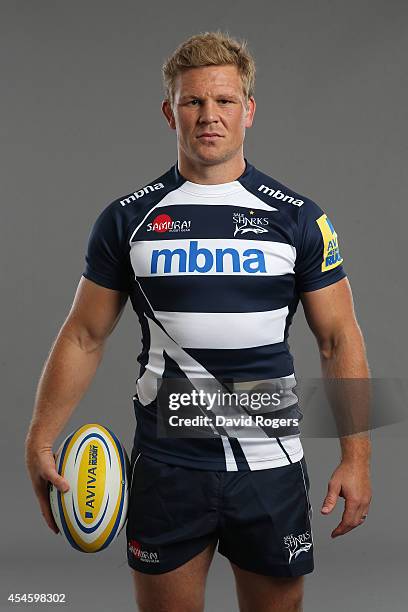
82, 125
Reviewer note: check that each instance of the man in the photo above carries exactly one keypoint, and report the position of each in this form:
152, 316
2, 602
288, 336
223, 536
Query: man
215, 256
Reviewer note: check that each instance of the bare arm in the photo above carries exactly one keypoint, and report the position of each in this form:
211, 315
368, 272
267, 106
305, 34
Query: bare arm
67, 373
330, 316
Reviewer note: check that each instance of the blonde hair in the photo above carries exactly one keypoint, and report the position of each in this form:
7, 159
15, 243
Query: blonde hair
210, 49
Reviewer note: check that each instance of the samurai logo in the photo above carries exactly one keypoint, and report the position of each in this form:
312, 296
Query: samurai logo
135, 548
297, 544
245, 224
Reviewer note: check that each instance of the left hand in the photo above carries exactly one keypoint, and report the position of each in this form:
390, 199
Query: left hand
350, 480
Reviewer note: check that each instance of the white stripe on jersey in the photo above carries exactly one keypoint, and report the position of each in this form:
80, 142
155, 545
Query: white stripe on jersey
146, 385
179, 197
230, 463
225, 330
237, 197
222, 256
259, 453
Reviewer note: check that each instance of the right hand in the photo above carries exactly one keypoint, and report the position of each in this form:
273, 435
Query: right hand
40, 462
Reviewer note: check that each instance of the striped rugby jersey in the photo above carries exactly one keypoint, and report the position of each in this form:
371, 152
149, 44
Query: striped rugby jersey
214, 274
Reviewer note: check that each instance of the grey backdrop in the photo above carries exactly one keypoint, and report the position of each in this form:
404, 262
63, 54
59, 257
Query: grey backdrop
81, 125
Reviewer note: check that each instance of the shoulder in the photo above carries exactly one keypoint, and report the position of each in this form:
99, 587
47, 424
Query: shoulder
294, 204
128, 209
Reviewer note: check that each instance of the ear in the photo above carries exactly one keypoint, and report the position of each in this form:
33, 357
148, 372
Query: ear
168, 113
250, 112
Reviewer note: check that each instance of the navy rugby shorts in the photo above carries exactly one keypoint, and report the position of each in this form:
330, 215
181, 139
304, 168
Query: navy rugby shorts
261, 518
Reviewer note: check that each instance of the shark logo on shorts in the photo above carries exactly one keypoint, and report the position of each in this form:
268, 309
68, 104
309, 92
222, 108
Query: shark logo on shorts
297, 544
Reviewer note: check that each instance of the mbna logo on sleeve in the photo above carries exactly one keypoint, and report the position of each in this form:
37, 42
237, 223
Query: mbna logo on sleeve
331, 252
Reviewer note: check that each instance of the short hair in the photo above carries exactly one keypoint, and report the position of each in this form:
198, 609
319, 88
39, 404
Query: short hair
210, 49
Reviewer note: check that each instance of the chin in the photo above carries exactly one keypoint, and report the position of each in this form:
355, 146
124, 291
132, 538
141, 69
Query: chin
212, 156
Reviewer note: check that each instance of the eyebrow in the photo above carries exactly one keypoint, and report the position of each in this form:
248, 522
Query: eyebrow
220, 95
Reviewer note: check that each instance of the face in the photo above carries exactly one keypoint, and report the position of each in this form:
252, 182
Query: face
209, 114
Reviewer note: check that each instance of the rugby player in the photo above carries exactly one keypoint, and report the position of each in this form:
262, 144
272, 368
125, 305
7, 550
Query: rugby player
215, 256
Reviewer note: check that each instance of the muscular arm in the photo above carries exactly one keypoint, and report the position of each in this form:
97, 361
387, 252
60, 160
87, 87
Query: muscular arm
330, 315
74, 358
67, 373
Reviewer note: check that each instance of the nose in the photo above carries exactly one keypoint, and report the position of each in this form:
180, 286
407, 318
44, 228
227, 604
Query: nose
208, 112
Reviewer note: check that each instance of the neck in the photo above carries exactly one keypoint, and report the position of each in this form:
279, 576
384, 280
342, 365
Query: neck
211, 174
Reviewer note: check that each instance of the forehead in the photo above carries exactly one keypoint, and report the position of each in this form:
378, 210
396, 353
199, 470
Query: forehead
208, 80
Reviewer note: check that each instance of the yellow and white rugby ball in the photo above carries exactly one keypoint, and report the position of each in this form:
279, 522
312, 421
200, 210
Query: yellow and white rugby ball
92, 513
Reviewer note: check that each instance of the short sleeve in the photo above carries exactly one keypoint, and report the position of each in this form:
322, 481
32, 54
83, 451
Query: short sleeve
318, 259
107, 255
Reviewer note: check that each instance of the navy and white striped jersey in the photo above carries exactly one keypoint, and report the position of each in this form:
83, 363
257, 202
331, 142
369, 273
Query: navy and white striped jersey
214, 273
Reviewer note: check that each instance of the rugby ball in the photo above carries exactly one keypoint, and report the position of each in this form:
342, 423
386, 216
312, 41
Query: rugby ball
92, 513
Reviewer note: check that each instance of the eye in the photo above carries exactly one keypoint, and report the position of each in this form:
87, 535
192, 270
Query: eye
194, 100
225, 101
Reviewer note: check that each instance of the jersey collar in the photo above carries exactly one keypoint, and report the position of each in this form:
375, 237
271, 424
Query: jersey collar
216, 189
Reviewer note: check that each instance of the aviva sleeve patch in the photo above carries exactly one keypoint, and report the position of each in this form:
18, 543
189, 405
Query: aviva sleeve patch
331, 252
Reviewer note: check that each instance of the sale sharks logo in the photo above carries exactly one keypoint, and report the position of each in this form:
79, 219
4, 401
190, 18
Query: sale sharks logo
245, 224
297, 544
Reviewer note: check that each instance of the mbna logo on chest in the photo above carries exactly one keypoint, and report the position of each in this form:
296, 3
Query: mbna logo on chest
205, 260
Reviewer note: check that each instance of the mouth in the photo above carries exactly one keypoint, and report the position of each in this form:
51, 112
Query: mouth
209, 137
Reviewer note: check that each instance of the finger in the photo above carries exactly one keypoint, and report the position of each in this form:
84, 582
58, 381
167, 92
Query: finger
59, 483
343, 528
353, 516
350, 519
42, 470
364, 514
49, 473
44, 501
333, 491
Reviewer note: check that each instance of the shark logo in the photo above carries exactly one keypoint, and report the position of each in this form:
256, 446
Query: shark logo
244, 224
297, 544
